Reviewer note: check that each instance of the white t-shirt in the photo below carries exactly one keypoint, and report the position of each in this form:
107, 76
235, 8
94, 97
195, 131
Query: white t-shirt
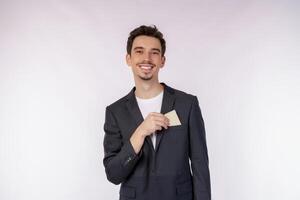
150, 105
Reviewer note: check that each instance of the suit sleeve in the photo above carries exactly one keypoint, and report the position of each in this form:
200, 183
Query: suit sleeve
119, 156
198, 154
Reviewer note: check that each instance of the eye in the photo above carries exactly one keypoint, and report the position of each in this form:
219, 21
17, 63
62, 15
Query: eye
139, 51
155, 52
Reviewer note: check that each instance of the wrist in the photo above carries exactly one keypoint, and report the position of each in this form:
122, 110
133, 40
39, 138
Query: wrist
141, 133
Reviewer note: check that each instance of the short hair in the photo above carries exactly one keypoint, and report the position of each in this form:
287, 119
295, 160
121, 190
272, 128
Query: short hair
151, 31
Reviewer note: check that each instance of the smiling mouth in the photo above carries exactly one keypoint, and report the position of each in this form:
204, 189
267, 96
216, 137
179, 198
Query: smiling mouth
146, 67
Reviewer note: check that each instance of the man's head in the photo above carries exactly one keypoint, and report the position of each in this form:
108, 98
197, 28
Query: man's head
150, 31
145, 52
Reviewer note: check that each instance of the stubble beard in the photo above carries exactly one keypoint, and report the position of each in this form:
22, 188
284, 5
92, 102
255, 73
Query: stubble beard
146, 78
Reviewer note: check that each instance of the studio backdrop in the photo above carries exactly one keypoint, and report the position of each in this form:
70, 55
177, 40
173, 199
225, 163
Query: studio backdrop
62, 62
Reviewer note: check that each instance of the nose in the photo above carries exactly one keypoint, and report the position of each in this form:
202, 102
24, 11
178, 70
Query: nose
147, 56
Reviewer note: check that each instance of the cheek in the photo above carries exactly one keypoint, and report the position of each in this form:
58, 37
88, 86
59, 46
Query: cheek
159, 62
135, 60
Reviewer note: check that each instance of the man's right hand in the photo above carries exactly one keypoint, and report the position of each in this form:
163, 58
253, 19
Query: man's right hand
153, 122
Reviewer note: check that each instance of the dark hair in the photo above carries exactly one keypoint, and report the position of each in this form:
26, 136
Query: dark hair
151, 31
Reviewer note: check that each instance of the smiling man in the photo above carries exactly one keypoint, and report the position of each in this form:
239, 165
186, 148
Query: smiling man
154, 143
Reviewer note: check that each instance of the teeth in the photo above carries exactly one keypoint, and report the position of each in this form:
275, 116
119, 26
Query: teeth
145, 66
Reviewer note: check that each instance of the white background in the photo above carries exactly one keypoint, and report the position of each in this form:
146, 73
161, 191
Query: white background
62, 62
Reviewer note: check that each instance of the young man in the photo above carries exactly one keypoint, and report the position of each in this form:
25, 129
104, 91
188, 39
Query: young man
149, 152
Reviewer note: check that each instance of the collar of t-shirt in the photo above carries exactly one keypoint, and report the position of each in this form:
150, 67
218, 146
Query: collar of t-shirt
150, 105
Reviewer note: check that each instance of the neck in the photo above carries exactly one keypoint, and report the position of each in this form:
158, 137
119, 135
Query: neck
147, 89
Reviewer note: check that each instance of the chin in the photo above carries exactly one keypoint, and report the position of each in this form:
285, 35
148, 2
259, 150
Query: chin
146, 78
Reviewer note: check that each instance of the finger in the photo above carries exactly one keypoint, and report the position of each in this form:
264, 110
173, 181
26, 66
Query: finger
160, 116
156, 114
161, 124
163, 119
158, 127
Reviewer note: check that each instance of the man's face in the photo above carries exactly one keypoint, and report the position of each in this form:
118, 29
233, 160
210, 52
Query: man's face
146, 57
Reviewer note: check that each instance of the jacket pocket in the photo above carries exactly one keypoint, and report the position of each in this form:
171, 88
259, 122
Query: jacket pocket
184, 188
128, 192
179, 127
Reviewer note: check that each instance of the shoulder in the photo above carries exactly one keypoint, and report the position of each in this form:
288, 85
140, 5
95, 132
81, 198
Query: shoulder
117, 104
184, 96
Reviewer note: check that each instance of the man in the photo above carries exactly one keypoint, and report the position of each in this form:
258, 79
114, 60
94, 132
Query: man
149, 152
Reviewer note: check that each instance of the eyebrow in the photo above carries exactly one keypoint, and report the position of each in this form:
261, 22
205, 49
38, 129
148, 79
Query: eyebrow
153, 49
135, 48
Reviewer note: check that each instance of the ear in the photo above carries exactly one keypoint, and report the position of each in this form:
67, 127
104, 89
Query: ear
128, 60
163, 60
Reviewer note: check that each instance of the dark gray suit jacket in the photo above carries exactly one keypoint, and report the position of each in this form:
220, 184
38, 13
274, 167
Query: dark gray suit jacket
163, 173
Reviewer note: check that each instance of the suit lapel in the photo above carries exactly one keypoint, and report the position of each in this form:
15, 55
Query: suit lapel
167, 105
133, 108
